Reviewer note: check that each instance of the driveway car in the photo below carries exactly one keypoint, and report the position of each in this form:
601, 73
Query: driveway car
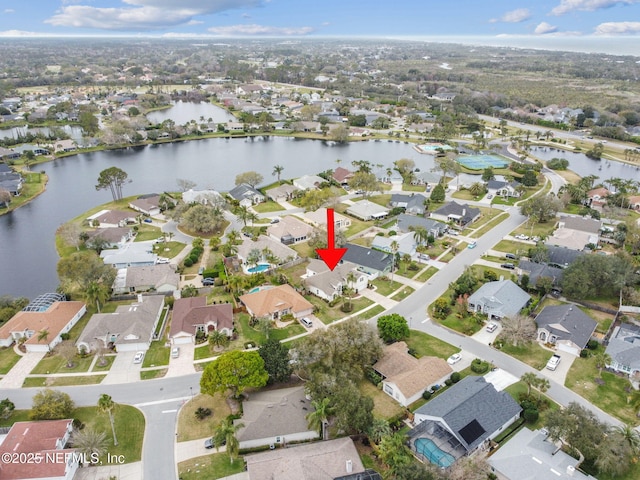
147, 220
491, 327
208, 443
306, 322
510, 266
453, 359
138, 358
207, 282
275, 220
175, 352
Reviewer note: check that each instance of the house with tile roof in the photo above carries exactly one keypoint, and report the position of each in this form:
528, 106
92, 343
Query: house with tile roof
318, 218
406, 377
406, 243
47, 440
111, 218
532, 455
328, 284
575, 233
271, 251
565, 326
290, 230
204, 197
597, 197
374, 263
115, 237
327, 460
275, 302
56, 319
146, 204
192, 315
460, 420
342, 175
129, 329
624, 349
160, 278
498, 299
309, 182
282, 193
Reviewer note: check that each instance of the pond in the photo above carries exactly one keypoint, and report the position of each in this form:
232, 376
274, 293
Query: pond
183, 112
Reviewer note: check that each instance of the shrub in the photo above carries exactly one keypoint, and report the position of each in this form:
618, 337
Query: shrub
392, 233
413, 266
372, 376
188, 262
531, 415
455, 377
426, 394
490, 275
201, 413
448, 382
592, 344
478, 366
584, 353
65, 336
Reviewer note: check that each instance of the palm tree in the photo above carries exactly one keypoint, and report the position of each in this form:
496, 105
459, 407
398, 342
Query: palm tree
243, 213
226, 433
393, 452
394, 246
602, 360
97, 293
277, 170
107, 405
631, 435
542, 384
43, 335
218, 340
379, 428
529, 379
420, 234
476, 189
89, 442
320, 415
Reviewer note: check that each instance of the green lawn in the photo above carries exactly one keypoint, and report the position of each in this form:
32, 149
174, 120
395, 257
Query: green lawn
168, 249
8, 358
403, 293
203, 351
466, 325
413, 188
425, 345
54, 363
304, 250
383, 405
16, 416
513, 246
531, 354
268, 207
372, 312
129, 426
62, 381
519, 388
158, 354
147, 232
489, 225
189, 427
383, 199
211, 467
107, 366
539, 229
384, 286
427, 274
612, 396
151, 374
250, 334
329, 314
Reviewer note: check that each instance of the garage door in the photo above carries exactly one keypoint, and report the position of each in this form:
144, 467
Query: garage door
181, 340
132, 347
568, 349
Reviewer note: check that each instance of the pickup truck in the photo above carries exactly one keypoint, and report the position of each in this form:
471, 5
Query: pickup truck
553, 362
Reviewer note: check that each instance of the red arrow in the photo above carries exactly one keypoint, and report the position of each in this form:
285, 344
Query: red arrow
331, 255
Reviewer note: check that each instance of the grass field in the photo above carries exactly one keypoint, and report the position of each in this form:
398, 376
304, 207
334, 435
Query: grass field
531, 354
56, 364
403, 293
427, 274
383, 405
426, 345
158, 354
268, 207
213, 466
190, 428
8, 358
489, 225
62, 381
329, 314
151, 374
384, 286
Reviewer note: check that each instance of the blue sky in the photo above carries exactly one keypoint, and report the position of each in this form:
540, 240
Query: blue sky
413, 18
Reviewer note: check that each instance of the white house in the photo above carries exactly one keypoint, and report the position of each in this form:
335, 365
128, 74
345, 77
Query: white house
330, 284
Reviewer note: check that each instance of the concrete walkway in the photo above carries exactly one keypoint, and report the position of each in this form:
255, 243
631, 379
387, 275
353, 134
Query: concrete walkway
182, 365
194, 448
15, 377
129, 471
123, 370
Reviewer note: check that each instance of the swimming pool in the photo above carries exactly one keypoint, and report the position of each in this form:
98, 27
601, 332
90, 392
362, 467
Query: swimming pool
480, 162
431, 452
261, 267
433, 147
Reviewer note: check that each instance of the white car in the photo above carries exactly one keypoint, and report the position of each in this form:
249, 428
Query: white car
138, 358
175, 352
453, 359
491, 327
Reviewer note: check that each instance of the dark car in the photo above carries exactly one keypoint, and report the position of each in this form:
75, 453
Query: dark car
147, 220
208, 443
207, 282
510, 266
511, 256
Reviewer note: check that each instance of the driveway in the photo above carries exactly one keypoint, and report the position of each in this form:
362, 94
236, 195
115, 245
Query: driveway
123, 369
485, 337
129, 471
560, 373
15, 377
194, 448
182, 365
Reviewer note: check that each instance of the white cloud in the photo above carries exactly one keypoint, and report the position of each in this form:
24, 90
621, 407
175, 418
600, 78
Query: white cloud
516, 16
143, 14
9, 10
567, 6
233, 30
20, 33
544, 28
618, 28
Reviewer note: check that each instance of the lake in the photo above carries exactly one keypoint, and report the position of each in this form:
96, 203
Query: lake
183, 112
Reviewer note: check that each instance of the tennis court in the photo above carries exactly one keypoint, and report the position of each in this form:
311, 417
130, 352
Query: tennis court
480, 162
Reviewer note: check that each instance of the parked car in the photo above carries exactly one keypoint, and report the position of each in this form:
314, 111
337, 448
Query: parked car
138, 358
472, 244
509, 266
147, 220
306, 322
489, 197
491, 327
453, 359
175, 352
200, 270
208, 443
553, 362
208, 282
274, 220
511, 256
162, 260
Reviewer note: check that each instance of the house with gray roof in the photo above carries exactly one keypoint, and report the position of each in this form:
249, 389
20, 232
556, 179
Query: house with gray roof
367, 210
328, 284
498, 299
130, 328
459, 214
565, 326
160, 278
246, 195
576, 233
407, 223
624, 349
426, 177
290, 230
309, 182
406, 243
109, 237
531, 455
374, 263
282, 193
536, 271
411, 203
146, 204
275, 417
131, 255
562, 257
205, 197
503, 189
460, 420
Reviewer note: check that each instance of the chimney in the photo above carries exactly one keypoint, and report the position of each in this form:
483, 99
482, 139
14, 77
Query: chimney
349, 466
571, 470
464, 212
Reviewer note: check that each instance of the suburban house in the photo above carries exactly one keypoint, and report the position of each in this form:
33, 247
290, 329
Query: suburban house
131, 255
146, 204
282, 193
130, 328
46, 439
192, 315
460, 420
309, 182
414, 203
597, 198
246, 195
275, 417
204, 197
565, 326
271, 251
536, 271
328, 460
634, 202
290, 230
624, 349
275, 302
10, 180
407, 223
57, 318
405, 377
461, 215
342, 175
425, 177
498, 299
328, 284
111, 218
318, 218
110, 237
503, 189
406, 244
160, 278
576, 233
531, 455
562, 257
367, 210
374, 263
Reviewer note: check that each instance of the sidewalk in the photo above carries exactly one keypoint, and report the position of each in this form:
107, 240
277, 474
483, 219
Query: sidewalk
129, 471
194, 448
387, 303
